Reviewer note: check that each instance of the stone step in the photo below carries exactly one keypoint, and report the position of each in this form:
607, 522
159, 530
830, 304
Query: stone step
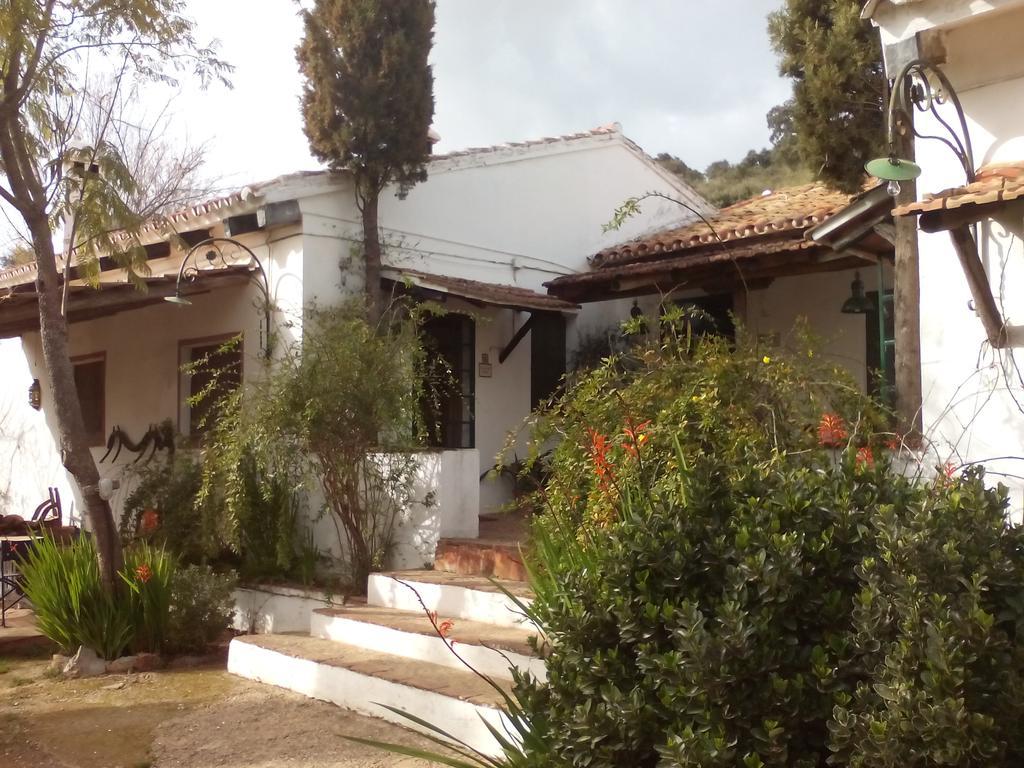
362, 680
480, 557
452, 595
491, 650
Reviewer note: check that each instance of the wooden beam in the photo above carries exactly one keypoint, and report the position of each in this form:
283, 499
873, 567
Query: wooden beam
524, 329
981, 290
907, 307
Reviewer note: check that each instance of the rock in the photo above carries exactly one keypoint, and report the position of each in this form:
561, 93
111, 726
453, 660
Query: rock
85, 663
121, 666
58, 661
147, 662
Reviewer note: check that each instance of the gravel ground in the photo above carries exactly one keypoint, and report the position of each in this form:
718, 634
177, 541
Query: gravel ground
195, 718
263, 727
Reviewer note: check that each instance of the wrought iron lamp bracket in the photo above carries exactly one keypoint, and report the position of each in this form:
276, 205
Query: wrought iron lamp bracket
212, 250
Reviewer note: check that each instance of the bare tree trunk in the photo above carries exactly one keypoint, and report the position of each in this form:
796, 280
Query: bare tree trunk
74, 446
372, 254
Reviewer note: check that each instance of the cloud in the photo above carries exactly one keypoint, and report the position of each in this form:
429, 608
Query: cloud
691, 78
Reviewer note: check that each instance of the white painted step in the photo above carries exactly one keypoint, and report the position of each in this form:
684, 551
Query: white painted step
362, 680
449, 594
491, 650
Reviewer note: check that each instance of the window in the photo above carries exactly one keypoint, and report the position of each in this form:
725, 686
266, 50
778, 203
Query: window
881, 348
212, 368
450, 398
90, 383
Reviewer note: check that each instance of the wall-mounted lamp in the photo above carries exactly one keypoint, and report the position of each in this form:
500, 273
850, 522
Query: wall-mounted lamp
190, 272
485, 369
35, 395
635, 312
858, 303
912, 89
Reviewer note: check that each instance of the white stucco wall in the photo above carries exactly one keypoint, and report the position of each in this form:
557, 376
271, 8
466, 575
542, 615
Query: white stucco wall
29, 462
817, 299
973, 395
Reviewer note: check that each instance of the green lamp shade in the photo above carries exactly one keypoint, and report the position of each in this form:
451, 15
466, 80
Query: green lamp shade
178, 299
892, 169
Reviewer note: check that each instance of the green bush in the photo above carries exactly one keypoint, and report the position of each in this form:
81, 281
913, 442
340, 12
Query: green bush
322, 417
732, 574
202, 607
71, 606
169, 488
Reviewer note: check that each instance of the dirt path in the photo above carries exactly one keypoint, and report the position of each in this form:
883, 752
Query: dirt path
190, 718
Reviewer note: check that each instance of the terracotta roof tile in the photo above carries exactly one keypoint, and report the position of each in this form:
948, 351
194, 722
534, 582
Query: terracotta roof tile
786, 210
993, 183
512, 296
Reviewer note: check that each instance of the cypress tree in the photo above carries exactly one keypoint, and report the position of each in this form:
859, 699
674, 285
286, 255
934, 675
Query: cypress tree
835, 61
368, 101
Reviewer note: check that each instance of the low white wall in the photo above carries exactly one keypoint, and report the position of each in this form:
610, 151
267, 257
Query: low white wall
446, 502
267, 609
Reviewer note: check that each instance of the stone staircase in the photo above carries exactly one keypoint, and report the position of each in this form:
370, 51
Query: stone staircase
495, 552
386, 652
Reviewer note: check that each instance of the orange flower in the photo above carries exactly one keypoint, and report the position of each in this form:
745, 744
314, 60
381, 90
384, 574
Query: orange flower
599, 447
150, 521
865, 457
893, 443
831, 431
637, 436
144, 573
445, 627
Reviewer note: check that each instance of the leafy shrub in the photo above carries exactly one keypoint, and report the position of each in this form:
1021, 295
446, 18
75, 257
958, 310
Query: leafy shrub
72, 607
326, 414
148, 573
202, 607
162, 509
732, 574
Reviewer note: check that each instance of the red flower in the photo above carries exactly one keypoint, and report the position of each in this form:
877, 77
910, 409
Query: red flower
445, 627
599, 447
865, 457
150, 521
893, 443
144, 573
637, 436
831, 431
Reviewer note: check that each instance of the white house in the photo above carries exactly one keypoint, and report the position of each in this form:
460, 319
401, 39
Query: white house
484, 233
973, 390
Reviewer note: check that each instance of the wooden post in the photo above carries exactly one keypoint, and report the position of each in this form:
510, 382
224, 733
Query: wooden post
907, 307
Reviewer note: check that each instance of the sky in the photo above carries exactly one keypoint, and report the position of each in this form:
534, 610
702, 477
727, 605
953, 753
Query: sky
688, 77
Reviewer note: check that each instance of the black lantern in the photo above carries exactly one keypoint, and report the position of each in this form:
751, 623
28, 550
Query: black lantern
858, 303
35, 395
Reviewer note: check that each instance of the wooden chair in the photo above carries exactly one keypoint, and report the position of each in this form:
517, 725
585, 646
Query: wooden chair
50, 513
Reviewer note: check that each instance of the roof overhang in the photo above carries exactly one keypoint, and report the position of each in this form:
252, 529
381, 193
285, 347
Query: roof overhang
996, 190
19, 310
439, 287
861, 229
730, 267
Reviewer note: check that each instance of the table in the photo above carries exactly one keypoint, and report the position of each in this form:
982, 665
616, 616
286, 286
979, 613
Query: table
9, 581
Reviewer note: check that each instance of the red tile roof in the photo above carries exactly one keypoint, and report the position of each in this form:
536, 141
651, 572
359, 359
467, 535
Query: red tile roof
993, 184
785, 211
